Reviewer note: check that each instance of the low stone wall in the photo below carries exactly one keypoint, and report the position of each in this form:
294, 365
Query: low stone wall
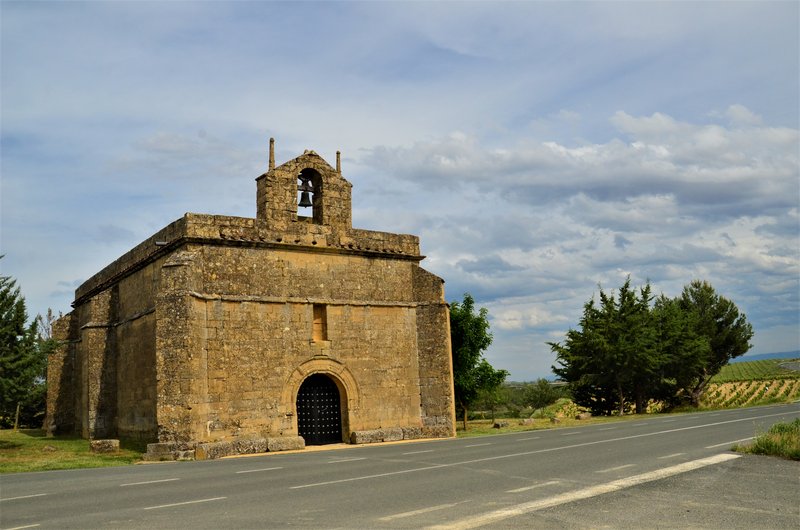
213, 450
394, 434
169, 451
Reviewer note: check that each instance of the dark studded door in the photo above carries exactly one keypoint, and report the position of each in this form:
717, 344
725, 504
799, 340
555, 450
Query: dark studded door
319, 413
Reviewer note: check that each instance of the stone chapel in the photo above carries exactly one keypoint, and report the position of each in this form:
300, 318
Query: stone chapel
222, 335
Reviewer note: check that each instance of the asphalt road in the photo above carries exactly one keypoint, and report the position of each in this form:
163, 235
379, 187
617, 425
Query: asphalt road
660, 472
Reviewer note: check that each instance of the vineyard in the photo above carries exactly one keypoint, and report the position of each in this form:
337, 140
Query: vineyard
753, 383
755, 370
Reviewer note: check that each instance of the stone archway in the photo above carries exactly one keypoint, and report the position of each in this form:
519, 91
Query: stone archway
319, 411
339, 375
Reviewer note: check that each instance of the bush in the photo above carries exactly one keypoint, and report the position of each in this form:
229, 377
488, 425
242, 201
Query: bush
782, 439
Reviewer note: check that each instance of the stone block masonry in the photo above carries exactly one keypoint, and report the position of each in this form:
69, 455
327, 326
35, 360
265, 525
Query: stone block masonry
228, 335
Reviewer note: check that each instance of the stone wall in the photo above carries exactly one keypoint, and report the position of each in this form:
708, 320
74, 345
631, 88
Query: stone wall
61, 379
247, 346
435, 360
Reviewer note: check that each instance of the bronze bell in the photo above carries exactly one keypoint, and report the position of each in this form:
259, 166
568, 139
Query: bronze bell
305, 200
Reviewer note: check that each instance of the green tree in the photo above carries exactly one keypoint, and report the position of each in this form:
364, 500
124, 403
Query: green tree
612, 359
717, 320
683, 351
627, 352
470, 336
541, 393
23, 359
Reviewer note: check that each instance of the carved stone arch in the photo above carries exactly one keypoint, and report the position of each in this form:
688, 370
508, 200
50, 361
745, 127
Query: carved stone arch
339, 373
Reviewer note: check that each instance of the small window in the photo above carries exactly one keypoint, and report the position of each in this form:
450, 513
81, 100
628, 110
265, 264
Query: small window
320, 328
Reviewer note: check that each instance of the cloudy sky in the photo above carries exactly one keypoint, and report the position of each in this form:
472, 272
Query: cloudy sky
539, 149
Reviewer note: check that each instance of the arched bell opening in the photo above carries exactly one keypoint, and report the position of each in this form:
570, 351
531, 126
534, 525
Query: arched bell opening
309, 189
319, 410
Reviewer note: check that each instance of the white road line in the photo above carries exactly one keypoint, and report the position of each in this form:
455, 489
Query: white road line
347, 460
533, 438
537, 451
671, 456
183, 503
149, 482
257, 470
607, 429
23, 497
667, 421
609, 470
419, 452
417, 512
729, 443
568, 433
528, 488
388, 474
26, 526
586, 493
477, 445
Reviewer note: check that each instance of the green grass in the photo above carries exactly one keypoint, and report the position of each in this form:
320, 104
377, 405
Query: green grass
782, 439
755, 371
31, 450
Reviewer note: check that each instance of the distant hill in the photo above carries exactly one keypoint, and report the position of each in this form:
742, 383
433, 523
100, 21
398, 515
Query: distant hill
765, 356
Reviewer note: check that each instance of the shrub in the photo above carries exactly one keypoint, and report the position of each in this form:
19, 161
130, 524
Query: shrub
782, 439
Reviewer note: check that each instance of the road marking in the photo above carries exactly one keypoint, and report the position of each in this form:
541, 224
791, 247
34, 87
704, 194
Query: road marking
568, 433
671, 456
586, 493
667, 421
533, 438
183, 503
537, 451
729, 443
23, 497
477, 445
609, 470
149, 482
257, 470
388, 474
607, 429
26, 526
417, 512
527, 488
419, 452
347, 460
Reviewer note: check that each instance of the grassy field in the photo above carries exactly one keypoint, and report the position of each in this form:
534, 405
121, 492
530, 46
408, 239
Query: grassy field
31, 450
755, 371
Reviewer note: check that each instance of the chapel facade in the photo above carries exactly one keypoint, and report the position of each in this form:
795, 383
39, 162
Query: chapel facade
259, 333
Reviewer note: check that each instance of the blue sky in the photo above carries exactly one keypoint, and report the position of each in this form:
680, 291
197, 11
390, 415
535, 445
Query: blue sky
539, 149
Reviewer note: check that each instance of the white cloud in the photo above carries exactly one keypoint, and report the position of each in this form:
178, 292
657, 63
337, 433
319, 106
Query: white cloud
537, 148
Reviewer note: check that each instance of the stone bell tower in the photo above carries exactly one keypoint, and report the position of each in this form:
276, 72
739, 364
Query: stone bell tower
327, 192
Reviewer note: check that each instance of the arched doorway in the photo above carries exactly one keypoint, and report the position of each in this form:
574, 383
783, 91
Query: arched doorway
319, 411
